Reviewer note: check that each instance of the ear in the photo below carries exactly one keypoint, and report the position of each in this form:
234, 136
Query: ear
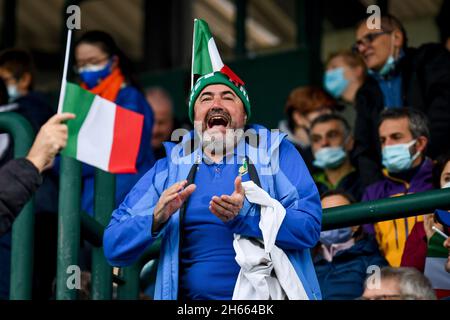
349, 144
24, 82
398, 38
421, 144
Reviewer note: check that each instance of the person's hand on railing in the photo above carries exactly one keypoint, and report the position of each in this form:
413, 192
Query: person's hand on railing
170, 201
51, 138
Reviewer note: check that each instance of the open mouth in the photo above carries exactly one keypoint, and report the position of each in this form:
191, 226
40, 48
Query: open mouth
218, 120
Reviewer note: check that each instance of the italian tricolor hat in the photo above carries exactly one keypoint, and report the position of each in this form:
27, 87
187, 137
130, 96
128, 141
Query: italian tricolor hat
208, 69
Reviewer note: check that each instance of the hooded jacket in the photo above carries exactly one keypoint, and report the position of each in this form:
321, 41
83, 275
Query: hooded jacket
128, 234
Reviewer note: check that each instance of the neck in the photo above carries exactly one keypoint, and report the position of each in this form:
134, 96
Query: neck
214, 157
335, 175
350, 93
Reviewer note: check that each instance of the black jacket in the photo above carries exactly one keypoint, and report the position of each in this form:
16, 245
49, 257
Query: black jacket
19, 179
426, 86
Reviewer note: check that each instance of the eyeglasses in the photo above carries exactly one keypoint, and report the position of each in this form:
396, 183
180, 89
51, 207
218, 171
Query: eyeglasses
82, 64
367, 39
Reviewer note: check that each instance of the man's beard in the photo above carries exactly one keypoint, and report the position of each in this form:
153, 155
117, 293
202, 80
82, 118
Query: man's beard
219, 144
214, 140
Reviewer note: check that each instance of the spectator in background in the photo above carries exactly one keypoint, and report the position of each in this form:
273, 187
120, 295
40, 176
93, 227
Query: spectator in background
398, 284
345, 74
164, 121
303, 105
404, 136
331, 143
344, 255
104, 70
417, 243
17, 71
399, 76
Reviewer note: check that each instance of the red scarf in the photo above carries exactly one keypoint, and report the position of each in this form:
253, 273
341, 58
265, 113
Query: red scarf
109, 87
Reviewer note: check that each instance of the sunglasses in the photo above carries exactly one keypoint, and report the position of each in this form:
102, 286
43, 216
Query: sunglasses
367, 39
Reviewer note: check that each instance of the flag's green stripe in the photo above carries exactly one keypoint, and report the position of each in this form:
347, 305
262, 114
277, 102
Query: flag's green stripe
436, 248
202, 60
77, 101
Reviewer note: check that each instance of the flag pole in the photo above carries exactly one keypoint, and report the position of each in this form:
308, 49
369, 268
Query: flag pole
64, 77
192, 64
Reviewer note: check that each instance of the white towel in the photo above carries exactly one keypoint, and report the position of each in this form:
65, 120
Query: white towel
266, 272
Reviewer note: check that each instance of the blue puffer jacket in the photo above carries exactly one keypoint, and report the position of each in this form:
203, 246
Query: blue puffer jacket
343, 278
129, 232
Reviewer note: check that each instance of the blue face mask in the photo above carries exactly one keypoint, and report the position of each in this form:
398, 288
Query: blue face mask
91, 75
329, 157
397, 158
330, 237
335, 82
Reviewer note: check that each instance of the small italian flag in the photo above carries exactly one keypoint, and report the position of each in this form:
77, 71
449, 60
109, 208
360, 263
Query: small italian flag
103, 134
205, 56
435, 262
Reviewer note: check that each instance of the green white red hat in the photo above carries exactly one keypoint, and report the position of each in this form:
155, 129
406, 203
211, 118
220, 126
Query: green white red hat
208, 68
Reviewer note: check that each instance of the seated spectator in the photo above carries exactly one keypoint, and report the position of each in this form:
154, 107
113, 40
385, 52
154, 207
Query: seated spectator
331, 143
398, 284
164, 120
303, 105
399, 76
343, 255
345, 73
416, 245
404, 137
17, 71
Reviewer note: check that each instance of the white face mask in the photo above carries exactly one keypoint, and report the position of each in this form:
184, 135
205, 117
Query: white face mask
446, 185
13, 92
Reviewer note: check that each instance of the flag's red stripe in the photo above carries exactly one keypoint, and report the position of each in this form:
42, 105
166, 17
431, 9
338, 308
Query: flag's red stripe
442, 293
127, 139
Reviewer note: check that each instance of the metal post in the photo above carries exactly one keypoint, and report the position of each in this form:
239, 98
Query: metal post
68, 226
385, 209
241, 35
104, 204
130, 289
23, 227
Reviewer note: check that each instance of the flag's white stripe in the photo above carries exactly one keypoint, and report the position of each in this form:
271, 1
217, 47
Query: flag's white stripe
435, 272
216, 61
96, 134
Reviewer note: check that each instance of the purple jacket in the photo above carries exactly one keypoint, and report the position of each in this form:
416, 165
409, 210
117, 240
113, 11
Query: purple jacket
391, 235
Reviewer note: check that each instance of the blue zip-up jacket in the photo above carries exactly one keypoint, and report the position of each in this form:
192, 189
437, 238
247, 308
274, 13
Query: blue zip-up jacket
282, 173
